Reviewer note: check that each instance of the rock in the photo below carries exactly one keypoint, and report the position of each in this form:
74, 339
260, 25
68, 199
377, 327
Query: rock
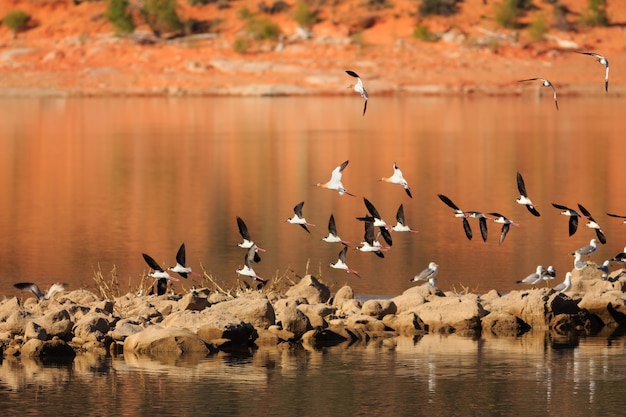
317, 313
50, 351
16, 322
460, 313
344, 293
410, 299
193, 301
57, 323
322, 338
8, 307
80, 297
224, 325
294, 321
407, 323
156, 340
35, 331
503, 324
123, 329
104, 306
92, 327
609, 307
310, 289
378, 308
252, 308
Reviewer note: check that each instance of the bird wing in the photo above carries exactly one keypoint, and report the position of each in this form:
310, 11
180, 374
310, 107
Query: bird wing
560, 207
335, 176
573, 224
520, 185
400, 215
467, 228
180, 255
482, 222
585, 212
386, 235
29, 287
556, 103
448, 202
365, 103
342, 254
332, 228
601, 236
243, 229
616, 215
298, 209
505, 230
352, 74
532, 210
369, 232
372, 210
152, 263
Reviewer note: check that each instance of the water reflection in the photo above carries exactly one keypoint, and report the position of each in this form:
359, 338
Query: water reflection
429, 375
99, 181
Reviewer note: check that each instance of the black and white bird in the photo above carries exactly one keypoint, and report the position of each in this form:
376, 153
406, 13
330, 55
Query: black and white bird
401, 225
341, 262
592, 224
159, 272
358, 87
335, 180
398, 178
505, 222
545, 83
620, 257
34, 289
180, 268
458, 213
605, 62
298, 218
333, 237
618, 216
377, 221
247, 241
523, 198
573, 217
369, 243
247, 269
427, 275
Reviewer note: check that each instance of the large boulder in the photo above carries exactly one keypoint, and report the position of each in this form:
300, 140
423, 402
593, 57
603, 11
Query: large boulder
295, 321
410, 298
57, 323
310, 288
378, 308
92, 327
452, 314
503, 324
610, 307
156, 340
406, 323
226, 330
51, 351
253, 308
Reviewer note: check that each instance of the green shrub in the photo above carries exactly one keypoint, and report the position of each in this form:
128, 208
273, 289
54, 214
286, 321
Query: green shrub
305, 16
244, 13
262, 29
16, 20
240, 45
595, 15
119, 16
537, 28
161, 16
377, 4
510, 10
438, 7
422, 33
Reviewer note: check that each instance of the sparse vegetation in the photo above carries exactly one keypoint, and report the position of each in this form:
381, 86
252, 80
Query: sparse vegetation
279, 6
262, 29
16, 20
305, 15
423, 33
161, 16
241, 45
118, 14
377, 4
438, 7
508, 13
109, 289
595, 14
538, 28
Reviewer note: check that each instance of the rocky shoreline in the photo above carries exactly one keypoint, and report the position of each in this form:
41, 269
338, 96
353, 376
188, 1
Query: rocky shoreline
206, 322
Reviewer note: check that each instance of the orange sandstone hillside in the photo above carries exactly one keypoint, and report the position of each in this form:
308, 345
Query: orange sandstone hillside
72, 49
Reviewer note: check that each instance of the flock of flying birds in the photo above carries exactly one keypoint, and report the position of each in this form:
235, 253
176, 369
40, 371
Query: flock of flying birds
373, 220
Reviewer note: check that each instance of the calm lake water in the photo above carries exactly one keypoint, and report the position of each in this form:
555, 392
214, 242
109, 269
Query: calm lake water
434, 375
96, 182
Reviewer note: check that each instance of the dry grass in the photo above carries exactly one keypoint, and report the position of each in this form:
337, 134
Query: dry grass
108, 288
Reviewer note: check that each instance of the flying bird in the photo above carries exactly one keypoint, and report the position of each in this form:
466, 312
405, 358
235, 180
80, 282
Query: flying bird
158, 271
398, 178
369, 243
618, 216
545, 83
592, 224
602, 60
333, 237
377, 221
427, 274
341, 262
565, 285
482, 222
247, 241
335, 180
34, 289
458, 213
506, 224
180, 268
298, 219
523, 198
573, 217
401, 225
358, 87
247, 268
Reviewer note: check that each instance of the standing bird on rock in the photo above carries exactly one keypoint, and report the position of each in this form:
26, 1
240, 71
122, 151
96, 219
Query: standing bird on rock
335, 180
587, 250
534, 278
358, 87
298, 219
427, 274
602, 60
573, 217
459, 214
565, 285
34, 289
545, 83
506, 224
592, 224
398, 178
341, 262
523, 198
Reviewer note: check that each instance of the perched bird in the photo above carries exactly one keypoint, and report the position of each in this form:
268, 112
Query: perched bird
298, 219
545, 83
534, 278
335, 180
579, 263
180, 268
618, 216
341, 262
401, 225
247, 241
332, 233
247, 269
377, 221
620, 257
427, 274
573, 217
592, 224
398, 178
369, 243
587, 249
565, 285
34, 289
158, 271
523, 198
605, 268
459, 214
548, 274
602, 60
482, 222
506, 224
358, 87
